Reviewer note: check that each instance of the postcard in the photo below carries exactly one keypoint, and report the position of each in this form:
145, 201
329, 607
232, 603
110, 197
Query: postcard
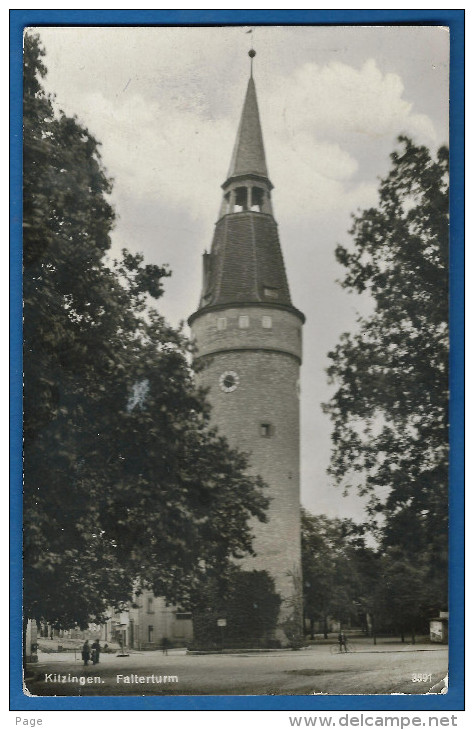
236, 343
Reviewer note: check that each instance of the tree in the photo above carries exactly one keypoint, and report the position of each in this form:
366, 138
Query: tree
248, 603
403, 592
125, 483
369, 592
330, 576
390, 407
345, 579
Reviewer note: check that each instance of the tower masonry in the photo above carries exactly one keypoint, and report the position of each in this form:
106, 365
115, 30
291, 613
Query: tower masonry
248, 336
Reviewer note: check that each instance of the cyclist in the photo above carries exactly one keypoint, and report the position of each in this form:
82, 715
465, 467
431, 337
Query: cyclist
342, 639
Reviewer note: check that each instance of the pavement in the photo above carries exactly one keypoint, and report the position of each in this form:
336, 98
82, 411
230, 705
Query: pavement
384, 668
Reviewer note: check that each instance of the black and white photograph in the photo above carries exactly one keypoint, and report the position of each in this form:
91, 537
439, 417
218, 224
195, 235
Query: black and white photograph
236, 360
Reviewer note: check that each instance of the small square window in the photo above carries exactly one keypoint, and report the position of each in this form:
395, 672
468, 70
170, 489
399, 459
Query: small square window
267, 322
265, 430
221, 323
244, 321
270, 291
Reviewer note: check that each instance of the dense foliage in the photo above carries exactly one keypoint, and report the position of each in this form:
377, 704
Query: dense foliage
125, 484
332, 555
376, 590
247, 603
390, 406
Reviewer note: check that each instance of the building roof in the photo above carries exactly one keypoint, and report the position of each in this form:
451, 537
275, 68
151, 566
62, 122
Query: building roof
245, 264
248, 156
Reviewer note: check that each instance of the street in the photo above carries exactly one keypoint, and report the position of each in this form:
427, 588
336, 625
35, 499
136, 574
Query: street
382, 669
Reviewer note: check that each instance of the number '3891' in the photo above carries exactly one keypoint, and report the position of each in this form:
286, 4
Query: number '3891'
419, 677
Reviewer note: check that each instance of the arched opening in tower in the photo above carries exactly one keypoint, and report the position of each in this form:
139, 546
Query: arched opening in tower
241, 200
257, 199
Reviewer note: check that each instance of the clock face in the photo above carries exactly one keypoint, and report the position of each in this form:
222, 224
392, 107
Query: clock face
229, 381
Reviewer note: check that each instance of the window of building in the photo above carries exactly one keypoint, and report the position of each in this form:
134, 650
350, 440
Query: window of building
266, 430
184, 616
244, 321
270, 291
150, 634
221, 323
267, 322
149, 604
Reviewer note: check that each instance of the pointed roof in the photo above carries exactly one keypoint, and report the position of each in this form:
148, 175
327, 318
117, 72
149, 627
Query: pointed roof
249, 155
245, 265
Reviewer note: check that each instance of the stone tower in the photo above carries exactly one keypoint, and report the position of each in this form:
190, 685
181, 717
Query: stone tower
248, 333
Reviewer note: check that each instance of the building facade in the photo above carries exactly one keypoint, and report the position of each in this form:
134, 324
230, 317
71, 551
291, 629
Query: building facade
141, 625
248, 336
145, 624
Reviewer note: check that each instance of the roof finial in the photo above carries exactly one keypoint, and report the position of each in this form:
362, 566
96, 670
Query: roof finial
252, 55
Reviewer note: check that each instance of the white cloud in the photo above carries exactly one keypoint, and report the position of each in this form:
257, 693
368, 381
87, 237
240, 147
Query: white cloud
337, 99
167, 120
158, 152
324, 124
165, 150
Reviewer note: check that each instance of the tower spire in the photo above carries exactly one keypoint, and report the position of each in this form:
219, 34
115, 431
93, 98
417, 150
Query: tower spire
245, 264
248, 156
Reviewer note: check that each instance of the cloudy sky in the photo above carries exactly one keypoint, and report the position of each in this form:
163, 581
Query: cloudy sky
165, 103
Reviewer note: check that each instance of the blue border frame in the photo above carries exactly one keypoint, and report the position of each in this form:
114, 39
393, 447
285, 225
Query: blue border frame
454, 699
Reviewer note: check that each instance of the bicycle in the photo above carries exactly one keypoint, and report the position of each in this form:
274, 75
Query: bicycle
339, 649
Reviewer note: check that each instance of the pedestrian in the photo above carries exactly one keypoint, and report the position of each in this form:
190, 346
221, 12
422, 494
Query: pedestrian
86, 652
342, 639
95, 652
164, 645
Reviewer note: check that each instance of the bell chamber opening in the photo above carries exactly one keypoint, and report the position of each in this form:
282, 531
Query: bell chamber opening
245, 198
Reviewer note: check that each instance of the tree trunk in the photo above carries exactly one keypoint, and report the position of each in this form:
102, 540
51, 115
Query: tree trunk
374, 632
402, 637
311, 627
368, 623
413, 636
325, 626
